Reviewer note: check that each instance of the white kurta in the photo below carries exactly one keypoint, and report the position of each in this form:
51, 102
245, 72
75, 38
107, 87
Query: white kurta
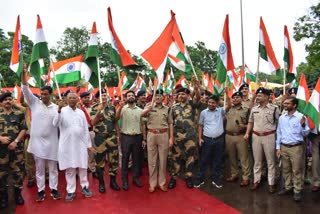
74, 138
43, 135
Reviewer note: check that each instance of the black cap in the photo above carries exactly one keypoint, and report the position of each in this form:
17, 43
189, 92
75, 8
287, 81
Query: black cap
5, 95
103, 90
141, 93
263, 91
293, 91
84, 94
238, 93
184, 90
159, 91
244, 85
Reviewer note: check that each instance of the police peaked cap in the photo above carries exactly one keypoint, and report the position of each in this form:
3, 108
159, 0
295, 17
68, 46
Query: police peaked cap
4, 96
263, 91
244, 85
184, 90
84, 94
238, 93
103, 90
293, 91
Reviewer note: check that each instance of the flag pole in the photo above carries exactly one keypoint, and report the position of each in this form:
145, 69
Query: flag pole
194, 72
284, 78
99, 79
258, 65
242, 40
118, 71
55, 79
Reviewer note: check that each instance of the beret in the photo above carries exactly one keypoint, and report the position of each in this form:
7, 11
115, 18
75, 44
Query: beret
141, 93
103, 91
184, 90
5, 95
293, 91
84, 94
159, 91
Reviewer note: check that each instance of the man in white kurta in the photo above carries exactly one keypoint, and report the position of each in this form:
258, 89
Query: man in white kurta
43, 142
74, 143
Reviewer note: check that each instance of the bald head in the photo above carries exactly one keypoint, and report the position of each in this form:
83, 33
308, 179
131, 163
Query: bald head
72, 99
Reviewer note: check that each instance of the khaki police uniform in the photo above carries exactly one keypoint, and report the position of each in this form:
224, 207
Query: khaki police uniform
158, 122
264, 121
235, 145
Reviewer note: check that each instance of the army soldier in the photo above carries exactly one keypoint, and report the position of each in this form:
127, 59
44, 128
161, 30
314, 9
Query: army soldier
184, 150
237, 120
12, 131
263, 123
160, 138
105, 140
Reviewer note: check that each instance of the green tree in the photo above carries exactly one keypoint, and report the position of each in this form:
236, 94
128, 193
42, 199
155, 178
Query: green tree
307, 27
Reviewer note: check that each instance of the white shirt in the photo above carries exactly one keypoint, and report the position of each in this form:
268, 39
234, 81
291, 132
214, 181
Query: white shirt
74, 138
43, 135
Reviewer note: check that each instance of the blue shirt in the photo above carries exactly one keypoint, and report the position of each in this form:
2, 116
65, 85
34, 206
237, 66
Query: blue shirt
289, 129
212, 122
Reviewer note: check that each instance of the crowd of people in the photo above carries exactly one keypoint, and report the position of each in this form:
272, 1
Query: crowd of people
77, 134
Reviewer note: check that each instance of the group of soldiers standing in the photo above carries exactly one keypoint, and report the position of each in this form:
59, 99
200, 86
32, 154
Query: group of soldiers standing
191, 127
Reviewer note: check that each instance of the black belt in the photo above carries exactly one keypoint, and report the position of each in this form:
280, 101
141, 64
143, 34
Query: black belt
131, 135
214, 138
291, 145
90, 129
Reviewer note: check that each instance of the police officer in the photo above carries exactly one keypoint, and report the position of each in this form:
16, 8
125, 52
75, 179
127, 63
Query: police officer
237, 120
184, 150
160, 138
105, 140
12, 131
244, 89
263, 123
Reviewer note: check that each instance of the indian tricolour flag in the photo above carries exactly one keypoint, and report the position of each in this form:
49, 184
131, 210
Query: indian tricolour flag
224, 60
67, 71
168, 84
39, 51
288, 56
205, 80
16, 93
123, 82
91, 59
16, 55
157, 53
183, 82
312, 108
119, 54
302, 93
266, 50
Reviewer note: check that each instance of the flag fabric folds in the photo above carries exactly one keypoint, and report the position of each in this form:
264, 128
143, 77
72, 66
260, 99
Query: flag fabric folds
266, 50
288, 56
39, 52
91, 59
119, 54
16, 62
67, 71
224, 60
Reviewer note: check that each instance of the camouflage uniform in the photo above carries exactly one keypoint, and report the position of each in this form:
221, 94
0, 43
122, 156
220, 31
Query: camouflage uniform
184, 150
12, 160
105, 140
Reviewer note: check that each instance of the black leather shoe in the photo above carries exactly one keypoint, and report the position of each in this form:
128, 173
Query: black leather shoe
95, 175
137, 182
189, 182
297, 197
172, 184
285, 192
3, 199
125, 186
113, 183
18, 197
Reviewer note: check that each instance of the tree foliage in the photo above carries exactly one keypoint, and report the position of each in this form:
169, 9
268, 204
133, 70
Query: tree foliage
307, 27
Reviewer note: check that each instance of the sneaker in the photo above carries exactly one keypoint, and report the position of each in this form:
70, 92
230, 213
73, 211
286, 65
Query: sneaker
40, 197
70, 196
198, 182
217, 184
86, 192
55, 194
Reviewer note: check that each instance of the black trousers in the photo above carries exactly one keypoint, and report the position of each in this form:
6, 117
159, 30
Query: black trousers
130, 145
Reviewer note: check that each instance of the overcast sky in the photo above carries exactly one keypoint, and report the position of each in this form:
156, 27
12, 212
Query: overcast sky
139, 22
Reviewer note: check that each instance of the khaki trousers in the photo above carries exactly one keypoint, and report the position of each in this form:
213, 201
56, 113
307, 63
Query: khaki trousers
292, 161
237, 147
158, 147
316, 162
91, 159
264, 146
